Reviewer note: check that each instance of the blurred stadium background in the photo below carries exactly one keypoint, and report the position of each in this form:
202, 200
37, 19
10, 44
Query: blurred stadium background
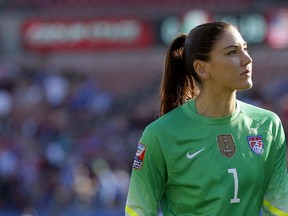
79, 81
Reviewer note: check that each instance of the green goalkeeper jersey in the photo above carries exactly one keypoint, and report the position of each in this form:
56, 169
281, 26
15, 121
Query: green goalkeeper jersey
195, 165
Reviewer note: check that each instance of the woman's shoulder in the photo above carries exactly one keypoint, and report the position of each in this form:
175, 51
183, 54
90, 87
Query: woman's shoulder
257, 112
171, 121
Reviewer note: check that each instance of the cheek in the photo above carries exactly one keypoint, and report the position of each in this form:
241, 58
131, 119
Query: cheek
223, 69
225, 75
222, 72
227, 69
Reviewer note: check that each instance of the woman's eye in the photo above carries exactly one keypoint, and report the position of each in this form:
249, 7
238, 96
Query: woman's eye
246, 49
232, 52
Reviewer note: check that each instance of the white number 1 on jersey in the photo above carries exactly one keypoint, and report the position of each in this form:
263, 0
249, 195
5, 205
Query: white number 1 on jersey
236, 185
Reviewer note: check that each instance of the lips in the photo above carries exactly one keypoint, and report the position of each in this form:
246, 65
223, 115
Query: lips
247, 72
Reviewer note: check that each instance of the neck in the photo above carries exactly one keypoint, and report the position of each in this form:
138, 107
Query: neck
216, 105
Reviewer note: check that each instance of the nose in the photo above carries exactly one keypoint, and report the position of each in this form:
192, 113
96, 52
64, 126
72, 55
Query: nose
246, 58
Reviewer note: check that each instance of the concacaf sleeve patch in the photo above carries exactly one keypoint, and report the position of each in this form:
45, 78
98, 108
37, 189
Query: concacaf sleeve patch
139, 157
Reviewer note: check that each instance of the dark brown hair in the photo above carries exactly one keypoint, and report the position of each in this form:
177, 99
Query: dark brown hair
180, 81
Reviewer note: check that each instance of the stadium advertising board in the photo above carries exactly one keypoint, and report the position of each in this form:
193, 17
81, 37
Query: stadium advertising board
253, 26
171, 26
134, 33
73, 35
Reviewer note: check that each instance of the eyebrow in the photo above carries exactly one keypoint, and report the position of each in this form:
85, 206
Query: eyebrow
234, 46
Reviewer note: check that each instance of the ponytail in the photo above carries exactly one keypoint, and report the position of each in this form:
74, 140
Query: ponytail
178, 84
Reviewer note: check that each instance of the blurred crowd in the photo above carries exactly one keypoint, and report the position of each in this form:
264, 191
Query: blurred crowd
58, 146
64, 144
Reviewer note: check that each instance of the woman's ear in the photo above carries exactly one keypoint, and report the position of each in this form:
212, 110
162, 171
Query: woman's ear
200, 68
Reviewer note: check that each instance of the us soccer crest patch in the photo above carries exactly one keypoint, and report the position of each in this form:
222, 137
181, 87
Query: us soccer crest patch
256, 144
139, 157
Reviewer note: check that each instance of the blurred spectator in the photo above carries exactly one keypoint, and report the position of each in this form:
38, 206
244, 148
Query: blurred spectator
5, 103
55, 88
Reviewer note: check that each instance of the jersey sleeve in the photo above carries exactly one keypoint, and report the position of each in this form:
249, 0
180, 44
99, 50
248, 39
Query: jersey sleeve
276, 195
148, 177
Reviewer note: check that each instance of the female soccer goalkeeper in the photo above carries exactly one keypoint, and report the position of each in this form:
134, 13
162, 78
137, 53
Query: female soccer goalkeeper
209, 153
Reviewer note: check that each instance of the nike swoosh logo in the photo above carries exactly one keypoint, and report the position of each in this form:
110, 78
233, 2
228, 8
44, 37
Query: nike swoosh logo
190, 156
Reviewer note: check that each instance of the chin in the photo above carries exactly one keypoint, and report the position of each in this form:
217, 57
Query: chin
246, 86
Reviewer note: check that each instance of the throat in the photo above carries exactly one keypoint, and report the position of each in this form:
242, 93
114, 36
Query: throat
215, 108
